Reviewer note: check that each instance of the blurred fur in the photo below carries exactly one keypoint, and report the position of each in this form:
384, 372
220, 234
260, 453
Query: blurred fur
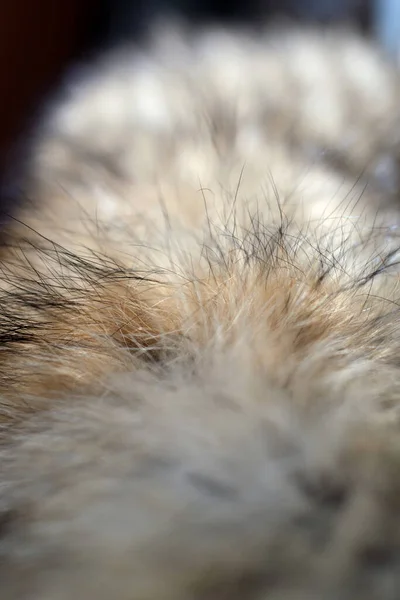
200, 332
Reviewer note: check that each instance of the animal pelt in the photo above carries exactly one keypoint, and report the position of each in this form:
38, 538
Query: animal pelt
200, 331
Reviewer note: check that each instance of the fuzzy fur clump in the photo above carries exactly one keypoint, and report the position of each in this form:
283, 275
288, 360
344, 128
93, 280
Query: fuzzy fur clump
200, 332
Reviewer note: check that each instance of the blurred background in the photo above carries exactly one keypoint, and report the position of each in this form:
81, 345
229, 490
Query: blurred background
40, 40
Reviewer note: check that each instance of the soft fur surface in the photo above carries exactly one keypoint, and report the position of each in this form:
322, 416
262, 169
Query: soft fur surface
200, 332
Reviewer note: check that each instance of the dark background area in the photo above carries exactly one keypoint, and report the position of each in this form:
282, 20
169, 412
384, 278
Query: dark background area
124, 18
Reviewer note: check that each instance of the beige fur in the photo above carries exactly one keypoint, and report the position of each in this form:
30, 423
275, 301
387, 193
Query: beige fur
200, 331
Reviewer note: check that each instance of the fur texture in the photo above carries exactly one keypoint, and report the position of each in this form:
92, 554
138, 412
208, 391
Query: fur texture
200, 332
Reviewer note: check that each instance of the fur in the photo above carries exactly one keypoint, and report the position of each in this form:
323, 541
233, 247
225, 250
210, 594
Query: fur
200, 333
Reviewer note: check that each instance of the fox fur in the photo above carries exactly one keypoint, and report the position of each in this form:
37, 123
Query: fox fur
200, 328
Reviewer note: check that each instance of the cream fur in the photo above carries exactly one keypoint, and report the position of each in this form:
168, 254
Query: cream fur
200, 329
